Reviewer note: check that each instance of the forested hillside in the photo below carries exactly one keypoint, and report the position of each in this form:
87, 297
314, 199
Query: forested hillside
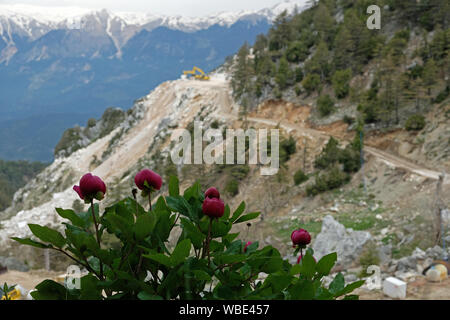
328, 57
14, 175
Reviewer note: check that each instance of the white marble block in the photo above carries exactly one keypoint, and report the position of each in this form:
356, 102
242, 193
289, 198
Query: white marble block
394, 288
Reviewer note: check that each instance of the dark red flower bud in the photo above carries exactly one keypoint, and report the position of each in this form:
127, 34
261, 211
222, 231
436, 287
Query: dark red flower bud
212, 193
213, 207
300, 237
246, 245
91, 187
153, 180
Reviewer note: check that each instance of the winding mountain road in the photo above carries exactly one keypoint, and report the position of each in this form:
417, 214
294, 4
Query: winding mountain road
228, 110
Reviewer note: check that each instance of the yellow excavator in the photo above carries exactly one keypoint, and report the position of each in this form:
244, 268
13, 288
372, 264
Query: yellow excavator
200, 76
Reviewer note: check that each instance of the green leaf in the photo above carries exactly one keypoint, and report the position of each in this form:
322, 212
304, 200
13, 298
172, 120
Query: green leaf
201, 275
71, 216
33, 243
325, 264
337, 285
174, 188
48, 235
193, 192
247, 217
179, 204
148, 296
192, 233
181, 252
230, 258
160, 258
50, 290
349, 288
226, 213
144, 226
238, 212
296, 269
120, 224
90, 289
277, 282
303, 290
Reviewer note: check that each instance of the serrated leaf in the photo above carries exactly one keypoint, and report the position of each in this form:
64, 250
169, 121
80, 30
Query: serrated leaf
48, 235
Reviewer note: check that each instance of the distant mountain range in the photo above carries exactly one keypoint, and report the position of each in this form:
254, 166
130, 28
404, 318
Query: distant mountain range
60, 65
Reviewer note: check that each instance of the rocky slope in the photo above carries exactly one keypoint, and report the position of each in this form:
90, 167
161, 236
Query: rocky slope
388, 219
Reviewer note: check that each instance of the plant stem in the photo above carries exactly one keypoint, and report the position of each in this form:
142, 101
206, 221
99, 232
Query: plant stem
208, 240
98, 235
150, 200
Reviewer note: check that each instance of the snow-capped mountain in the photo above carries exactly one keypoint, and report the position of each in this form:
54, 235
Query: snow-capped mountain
35, 21
58, 65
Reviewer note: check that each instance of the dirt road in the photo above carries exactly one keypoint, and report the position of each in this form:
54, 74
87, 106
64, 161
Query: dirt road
229, 111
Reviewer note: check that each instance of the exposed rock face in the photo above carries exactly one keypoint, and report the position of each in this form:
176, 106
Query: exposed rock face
334, 237
13, 264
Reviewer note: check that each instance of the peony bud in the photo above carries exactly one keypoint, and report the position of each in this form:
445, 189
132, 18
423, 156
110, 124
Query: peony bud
148, 180
300, 237
213, 207
212, 193
91, 187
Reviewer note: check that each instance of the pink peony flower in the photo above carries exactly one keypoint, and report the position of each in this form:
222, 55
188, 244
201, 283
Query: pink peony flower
153, 180
300, 237
212, 193
213, 207
91, 187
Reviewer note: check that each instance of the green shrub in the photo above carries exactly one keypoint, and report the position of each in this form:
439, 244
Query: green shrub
232, 187
348, 120
215, 124
341, 83
368, 257
415, 122
442, 95
331, 179
329, 155
300, 177
325, 105
311, 82
240, 171
287, 148
350, 158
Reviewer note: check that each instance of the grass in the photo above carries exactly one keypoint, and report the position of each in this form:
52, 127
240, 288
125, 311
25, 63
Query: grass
313, 227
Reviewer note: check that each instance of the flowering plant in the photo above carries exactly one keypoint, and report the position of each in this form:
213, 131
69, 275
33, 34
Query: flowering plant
207, 262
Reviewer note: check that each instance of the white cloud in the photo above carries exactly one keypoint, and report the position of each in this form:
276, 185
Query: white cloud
165, 7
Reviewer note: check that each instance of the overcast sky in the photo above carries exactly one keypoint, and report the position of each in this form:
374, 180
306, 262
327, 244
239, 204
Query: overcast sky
166, 7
